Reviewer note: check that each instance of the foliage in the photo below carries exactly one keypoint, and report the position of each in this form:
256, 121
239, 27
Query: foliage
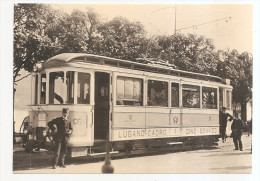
190, 53
41, 32
121, 38
30, 42
238, 68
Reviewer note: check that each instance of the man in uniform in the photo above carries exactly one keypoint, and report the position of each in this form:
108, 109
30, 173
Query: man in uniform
61, 137
236, 128
224, 117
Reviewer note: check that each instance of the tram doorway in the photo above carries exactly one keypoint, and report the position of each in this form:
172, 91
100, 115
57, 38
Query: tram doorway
101, 109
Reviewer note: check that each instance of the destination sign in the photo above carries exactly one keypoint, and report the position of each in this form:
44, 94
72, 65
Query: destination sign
132, 134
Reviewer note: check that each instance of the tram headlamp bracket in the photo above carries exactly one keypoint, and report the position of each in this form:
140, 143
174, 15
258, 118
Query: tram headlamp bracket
38, 66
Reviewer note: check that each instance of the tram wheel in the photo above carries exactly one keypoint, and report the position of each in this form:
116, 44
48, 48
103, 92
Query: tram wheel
29, 146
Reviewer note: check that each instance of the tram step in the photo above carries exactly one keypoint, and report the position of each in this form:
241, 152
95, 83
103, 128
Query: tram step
103, 153
175, 143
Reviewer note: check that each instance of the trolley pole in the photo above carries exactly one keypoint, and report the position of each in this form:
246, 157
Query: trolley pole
107, 167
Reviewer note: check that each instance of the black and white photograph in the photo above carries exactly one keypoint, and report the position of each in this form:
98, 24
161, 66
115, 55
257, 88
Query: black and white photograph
103, 89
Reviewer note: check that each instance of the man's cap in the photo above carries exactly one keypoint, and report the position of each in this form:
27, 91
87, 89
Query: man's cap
65, 110
224, 108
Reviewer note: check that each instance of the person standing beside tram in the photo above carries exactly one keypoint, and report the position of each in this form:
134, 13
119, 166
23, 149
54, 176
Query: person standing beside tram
61, 137
223, 118
236, 128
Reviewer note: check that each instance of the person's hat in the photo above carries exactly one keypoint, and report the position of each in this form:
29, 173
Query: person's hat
224, 107
65, 110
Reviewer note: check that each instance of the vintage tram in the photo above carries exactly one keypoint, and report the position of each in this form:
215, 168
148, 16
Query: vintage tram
138, 107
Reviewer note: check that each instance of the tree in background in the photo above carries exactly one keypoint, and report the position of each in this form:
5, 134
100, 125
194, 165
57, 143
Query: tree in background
122, 38
41, 32
238, 68
190, 53
31, 44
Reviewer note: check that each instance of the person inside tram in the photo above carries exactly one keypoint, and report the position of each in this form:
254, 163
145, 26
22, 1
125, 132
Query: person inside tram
223, 118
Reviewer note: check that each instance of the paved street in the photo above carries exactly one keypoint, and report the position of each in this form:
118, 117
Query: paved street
217, 160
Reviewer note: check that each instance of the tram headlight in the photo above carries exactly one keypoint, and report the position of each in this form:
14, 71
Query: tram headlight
38, 66
75, 121
25, 131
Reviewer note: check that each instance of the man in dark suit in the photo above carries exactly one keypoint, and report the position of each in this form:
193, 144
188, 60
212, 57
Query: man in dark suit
236, 128
223, 118
61, 137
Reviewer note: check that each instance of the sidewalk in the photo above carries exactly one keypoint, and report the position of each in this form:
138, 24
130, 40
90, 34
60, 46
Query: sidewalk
246, 140
40, 162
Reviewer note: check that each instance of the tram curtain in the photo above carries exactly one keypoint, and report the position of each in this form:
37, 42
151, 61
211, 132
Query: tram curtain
129, 91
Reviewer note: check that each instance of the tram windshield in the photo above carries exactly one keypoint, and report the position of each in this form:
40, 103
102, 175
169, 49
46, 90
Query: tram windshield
56, 88
228, 99
62, 88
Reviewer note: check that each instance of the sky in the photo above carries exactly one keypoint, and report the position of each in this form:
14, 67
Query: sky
159, 19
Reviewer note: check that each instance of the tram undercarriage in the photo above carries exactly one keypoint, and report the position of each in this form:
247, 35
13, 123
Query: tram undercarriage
147, 146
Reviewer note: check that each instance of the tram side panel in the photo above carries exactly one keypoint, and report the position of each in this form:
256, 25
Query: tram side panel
128, 123
135, 123
200, 122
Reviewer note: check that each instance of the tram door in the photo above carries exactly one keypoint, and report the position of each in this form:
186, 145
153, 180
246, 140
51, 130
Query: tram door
101, 110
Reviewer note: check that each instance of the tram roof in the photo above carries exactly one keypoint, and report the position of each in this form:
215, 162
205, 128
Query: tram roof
151, 66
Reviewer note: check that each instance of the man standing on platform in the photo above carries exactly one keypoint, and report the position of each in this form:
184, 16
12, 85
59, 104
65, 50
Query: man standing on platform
61, 137
223, 118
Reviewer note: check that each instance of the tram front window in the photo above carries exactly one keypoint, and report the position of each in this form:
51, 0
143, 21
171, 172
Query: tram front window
70, 86
220, 97
228, 99
83, 88
56, 88
43, 89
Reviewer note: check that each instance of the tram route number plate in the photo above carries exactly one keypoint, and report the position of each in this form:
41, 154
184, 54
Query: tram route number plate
41, 117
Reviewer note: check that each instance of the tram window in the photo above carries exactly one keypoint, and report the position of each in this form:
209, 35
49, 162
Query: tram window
83, 88
70, 87
157, 93
36, 90
129, 91
56, 88
209, 98
228, 99
43, 89
175, 95
191, 96
220, 98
